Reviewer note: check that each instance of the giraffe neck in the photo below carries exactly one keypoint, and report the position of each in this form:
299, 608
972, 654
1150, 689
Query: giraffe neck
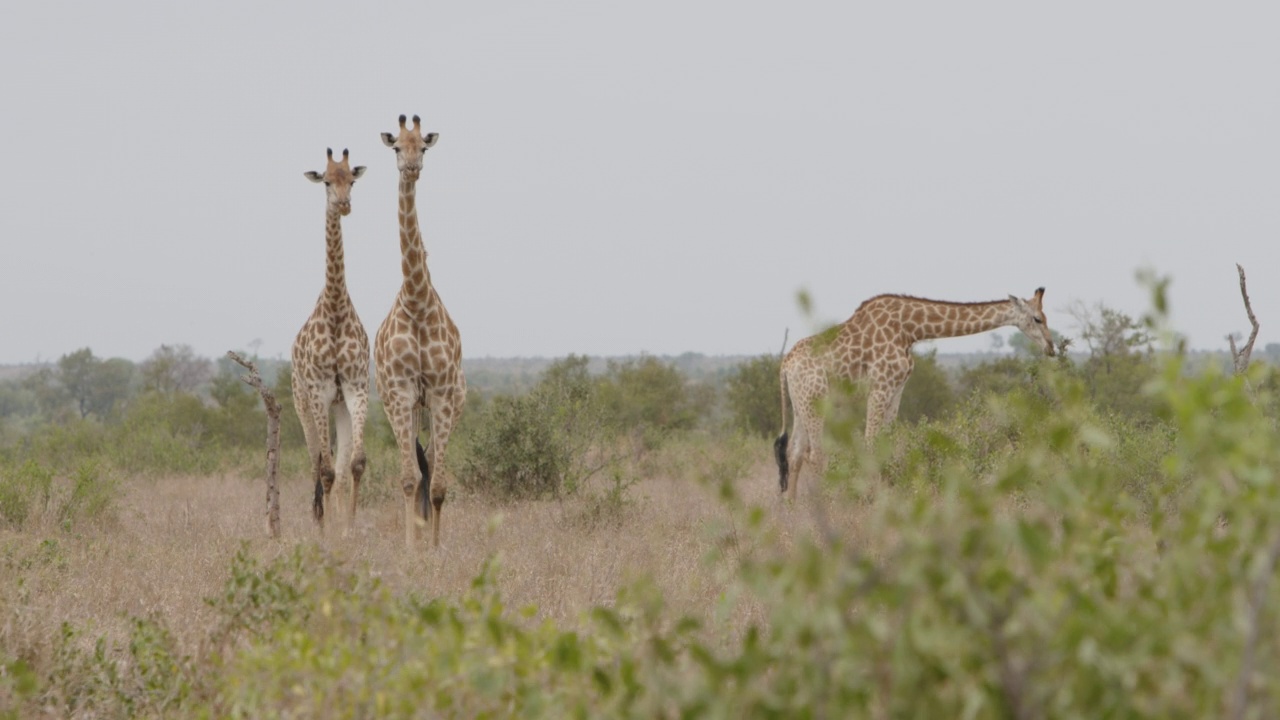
335, 275
415, 293
944, 320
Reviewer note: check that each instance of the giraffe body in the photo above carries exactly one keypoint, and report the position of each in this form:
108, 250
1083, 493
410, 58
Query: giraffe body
331, 358
874, 347
418, 354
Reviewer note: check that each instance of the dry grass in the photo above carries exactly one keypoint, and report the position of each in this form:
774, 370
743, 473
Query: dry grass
171, 544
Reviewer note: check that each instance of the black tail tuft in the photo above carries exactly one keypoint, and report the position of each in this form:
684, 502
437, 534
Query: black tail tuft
780, 453
424, 485
317, 505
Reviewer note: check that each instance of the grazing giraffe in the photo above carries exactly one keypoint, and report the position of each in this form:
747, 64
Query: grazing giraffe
331, 356
874, 346
418, 354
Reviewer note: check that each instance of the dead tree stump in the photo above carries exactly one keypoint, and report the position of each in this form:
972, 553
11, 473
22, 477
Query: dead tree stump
273, 441
1241, 357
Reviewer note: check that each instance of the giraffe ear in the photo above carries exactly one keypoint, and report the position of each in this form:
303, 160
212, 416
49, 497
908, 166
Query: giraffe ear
1018, 302
388, 139
313, 176
431, 138
357, 171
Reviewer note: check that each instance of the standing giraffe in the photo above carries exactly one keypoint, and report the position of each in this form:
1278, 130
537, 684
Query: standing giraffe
331, 356
418, 353
874, 346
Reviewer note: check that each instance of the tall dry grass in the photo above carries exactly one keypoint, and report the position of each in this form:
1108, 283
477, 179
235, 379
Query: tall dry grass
169, 545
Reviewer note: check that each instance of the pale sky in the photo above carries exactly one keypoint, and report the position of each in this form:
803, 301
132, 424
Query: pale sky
615, 178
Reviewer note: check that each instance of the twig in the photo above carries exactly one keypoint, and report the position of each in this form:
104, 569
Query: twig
1241, 357
783, 349
273, 441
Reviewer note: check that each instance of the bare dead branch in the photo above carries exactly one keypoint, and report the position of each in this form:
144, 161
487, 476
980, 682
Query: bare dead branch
254, 380
783, 350
1241, 357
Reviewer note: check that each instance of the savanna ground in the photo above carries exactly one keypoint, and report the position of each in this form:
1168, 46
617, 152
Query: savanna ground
1068, 538
168, 544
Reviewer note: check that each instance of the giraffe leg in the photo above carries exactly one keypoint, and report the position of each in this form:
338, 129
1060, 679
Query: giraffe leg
357, 407
403, 416
443, 416
808, 429
342, 457
878, 403
891, 412
797, 451
324, 476
317, 443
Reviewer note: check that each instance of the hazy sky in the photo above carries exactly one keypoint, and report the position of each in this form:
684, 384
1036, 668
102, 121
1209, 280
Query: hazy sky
613, 178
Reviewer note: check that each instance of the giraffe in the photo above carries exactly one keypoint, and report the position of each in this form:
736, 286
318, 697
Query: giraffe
418, 354
331, 356
874, 346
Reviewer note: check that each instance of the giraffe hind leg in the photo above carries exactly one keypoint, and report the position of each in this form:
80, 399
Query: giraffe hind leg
443, 415
424, 485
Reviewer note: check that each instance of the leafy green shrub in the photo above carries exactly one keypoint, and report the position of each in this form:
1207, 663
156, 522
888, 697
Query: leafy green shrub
753, 396
147, 677
21, 488
92, 496
649, 399
928, 393
541, 444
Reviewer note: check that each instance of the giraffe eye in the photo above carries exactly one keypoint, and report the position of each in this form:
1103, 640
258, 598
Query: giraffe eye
397, 150
1038, 320
326, 184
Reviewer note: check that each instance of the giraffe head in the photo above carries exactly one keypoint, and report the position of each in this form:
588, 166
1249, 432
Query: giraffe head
338, 177
1028, 316
410, 146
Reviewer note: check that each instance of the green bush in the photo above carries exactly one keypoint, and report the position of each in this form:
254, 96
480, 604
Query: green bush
541, 444
21, 488
754, 397
93, 496
648, 399
928, 393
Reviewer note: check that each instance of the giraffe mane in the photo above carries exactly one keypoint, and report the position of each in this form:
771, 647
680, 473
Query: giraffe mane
901, 296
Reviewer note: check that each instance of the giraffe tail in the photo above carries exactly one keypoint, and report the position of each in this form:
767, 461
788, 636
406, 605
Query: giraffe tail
420, 497
780, 445
780, 453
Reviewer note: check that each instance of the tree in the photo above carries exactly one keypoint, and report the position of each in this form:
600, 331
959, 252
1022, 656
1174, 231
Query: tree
92, 384
112, 380
1120, 358
75, 375
175, 369
1109, 333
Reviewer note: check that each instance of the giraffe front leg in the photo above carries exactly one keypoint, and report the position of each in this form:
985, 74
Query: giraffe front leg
878, 403
891, 413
